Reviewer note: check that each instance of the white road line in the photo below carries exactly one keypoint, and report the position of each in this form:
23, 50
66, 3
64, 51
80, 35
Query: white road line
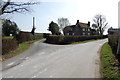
11, 63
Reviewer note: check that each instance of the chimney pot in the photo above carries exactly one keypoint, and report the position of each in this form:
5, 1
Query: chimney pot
88, 23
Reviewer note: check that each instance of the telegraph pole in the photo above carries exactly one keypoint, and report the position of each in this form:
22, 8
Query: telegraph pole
33, 29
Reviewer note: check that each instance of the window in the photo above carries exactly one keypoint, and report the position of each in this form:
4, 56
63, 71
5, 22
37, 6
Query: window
73, 34
88, 33
88, 29
83, 33
67, 33
83, 29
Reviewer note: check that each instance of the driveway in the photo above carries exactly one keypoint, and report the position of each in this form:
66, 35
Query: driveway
44, 60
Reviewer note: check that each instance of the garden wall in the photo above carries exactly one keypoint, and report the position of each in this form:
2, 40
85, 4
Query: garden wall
8, 45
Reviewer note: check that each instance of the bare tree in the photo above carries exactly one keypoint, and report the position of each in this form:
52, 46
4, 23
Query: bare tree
100, 23
63, 22
11, 7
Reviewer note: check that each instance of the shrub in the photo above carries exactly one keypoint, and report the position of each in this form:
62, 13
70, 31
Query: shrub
8, 45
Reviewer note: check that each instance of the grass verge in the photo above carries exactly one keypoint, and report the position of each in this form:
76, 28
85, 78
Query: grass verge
22, 47
83, 41
9, 37
109, 64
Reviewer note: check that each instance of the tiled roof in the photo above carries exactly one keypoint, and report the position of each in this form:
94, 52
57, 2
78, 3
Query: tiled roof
84, 25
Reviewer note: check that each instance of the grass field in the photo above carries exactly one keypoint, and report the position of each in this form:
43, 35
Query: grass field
109, 64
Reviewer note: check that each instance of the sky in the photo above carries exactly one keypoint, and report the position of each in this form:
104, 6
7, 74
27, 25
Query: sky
51, 10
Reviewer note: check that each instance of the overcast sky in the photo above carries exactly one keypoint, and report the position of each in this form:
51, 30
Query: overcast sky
51, 10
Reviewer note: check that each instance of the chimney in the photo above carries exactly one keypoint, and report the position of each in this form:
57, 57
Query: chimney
88, 23
33, 29
77, 22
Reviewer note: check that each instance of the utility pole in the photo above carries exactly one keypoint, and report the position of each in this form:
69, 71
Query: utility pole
33, 29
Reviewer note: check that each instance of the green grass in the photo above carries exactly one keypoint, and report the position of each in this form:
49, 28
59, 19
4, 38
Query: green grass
83, 41
22, 47
109, 64
9, 37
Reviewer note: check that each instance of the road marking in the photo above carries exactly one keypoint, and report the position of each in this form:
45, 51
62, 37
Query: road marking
11, 63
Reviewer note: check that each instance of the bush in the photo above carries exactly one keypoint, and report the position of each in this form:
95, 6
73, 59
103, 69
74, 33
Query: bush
70, 39
8, 45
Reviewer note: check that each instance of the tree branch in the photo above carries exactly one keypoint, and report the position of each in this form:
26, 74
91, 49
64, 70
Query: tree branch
10, 7
16, 10
4, 6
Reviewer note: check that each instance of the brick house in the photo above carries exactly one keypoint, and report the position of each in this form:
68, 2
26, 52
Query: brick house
79, 29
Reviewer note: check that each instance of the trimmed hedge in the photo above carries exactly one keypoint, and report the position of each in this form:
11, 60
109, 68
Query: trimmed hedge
27, 36
113, 42
8, 45
55, 39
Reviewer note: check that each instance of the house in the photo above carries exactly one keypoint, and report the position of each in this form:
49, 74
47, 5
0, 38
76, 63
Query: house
78, 29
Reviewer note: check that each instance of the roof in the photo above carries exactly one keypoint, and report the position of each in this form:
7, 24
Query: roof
84, 25
71, 26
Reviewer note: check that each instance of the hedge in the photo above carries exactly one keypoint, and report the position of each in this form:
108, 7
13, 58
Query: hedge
59, 39
8, 45
113, 42
27, 36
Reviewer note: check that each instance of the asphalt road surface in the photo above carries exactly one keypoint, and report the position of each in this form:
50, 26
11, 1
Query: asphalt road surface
44, 60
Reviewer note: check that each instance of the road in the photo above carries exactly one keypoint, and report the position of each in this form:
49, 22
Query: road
44, 60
